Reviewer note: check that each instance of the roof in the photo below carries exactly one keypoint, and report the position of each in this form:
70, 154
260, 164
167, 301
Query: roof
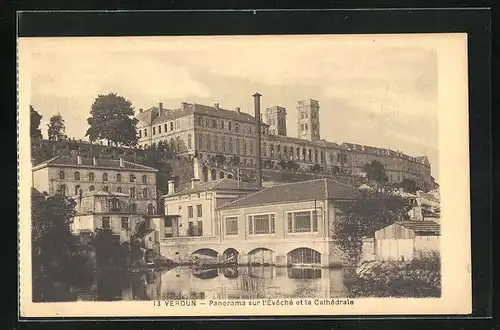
67, 161
192, 108
216, 185
147, 232
422, 226
318, 189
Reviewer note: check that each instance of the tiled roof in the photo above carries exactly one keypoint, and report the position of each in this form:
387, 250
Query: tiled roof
147, 232
149, 115
220, 185
88, 162
204, 110
318, 189
422, 226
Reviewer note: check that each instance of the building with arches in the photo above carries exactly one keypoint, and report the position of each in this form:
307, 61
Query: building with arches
283, 225
209, 131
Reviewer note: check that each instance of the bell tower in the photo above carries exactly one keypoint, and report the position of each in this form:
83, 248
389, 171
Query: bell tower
276, 119
308, 120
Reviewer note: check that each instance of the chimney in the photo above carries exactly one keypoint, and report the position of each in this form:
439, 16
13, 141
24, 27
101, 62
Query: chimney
141, 110
94, 161
171, 187
122, 164
238, 110
184, 106
79, 159
160, 105
258, 160
194, 182
216, 106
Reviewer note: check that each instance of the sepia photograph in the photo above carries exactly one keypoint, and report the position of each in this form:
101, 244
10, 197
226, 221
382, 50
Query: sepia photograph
256, 175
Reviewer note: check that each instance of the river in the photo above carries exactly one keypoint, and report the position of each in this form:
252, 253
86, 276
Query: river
188, 283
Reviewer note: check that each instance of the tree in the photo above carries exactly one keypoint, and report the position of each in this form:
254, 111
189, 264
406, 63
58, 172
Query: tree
409, 185
112, 120
56, 128
375, 171
369, 212
53, 244
35, 120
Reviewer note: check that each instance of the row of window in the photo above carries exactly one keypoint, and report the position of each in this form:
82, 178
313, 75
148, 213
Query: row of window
106, 223
305, 127
297, 222
132, 192
175, 145
105, 177
223, 144
173, 125
305, 114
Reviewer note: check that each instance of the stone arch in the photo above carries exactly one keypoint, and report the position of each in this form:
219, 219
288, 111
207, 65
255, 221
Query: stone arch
303, 256
204, 172
204, 254
213, 174
221, 175
230, 176
261, 256
230, 255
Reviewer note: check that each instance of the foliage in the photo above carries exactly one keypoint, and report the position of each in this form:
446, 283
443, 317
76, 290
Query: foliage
109, 252
112, 120
54, 247
375, 171
409, 185
316, 168
157, 157
56, 128
35, 120
369, 212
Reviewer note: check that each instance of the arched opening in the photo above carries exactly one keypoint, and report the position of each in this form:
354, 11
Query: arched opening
230, 256
230, 176
261, 257
303, 257
221, 175
213, 174
204, 171
205, 274
204, 256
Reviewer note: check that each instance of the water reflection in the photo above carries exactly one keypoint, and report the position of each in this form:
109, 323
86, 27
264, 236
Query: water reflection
224, 283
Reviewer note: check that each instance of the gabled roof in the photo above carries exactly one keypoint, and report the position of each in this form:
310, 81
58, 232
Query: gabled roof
422, 226
149, 115
216, 185
67, 161
318, 189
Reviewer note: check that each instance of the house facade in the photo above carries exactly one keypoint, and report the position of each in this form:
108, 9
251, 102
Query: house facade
75, 176
207, 131
105, 210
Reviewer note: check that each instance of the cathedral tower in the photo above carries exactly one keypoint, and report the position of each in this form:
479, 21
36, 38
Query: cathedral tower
276, 119
308, 120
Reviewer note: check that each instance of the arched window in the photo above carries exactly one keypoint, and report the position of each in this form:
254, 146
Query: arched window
304, 152
77, 176
310, 155
298, 153
119, 189
61, 175
132, 178
105, 177
77, 189
91, 188
144, 179
118, 177
91, 176
171, 126
132, 193
144, 193
62, 189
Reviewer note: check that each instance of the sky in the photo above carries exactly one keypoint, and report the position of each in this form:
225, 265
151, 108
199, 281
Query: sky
375, 90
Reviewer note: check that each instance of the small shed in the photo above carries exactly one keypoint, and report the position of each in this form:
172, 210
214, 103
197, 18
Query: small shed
407, 240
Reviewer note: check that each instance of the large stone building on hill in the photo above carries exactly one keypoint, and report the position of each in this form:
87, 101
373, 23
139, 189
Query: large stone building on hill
206, 131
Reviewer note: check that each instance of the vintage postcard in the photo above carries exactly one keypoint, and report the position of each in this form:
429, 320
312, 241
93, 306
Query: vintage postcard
244, 175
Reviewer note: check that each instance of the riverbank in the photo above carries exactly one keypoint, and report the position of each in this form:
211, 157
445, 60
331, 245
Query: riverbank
411, 279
